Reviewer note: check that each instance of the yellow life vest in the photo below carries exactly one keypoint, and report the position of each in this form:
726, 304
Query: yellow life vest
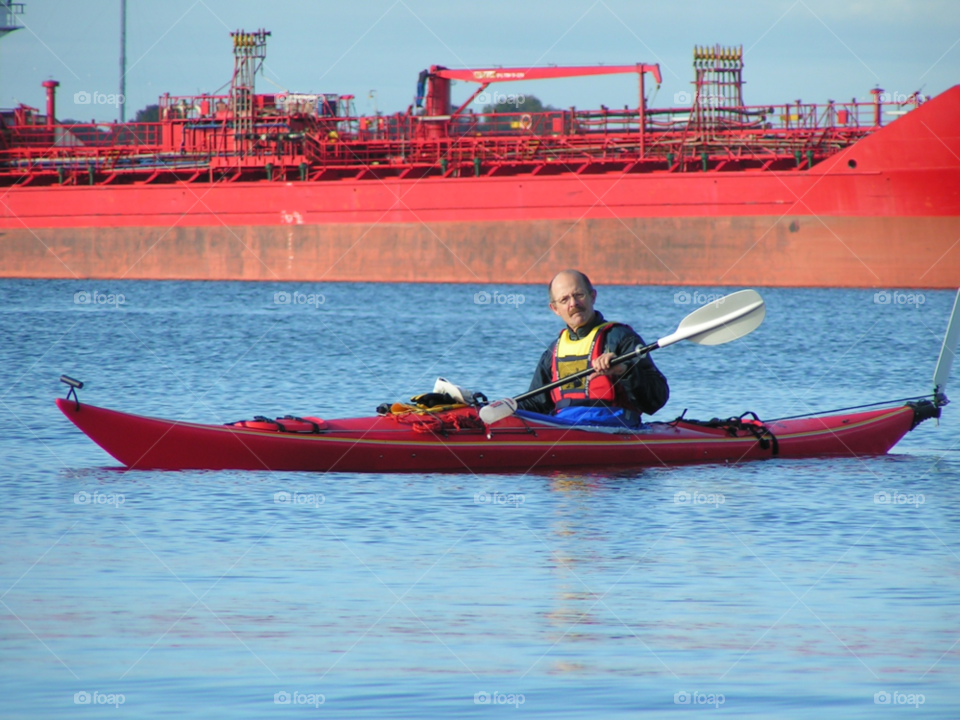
573, 356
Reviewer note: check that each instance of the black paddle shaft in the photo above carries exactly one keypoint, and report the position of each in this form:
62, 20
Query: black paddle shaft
639, 352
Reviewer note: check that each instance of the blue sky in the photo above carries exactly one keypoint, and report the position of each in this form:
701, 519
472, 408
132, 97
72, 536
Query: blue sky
812, 50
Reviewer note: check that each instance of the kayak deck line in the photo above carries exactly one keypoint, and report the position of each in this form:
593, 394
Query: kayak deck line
154, 443
834, 411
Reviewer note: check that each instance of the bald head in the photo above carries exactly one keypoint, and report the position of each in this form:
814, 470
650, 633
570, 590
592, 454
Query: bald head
574, 275
572, 297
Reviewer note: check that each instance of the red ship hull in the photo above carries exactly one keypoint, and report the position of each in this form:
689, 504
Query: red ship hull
381, 444
884, 212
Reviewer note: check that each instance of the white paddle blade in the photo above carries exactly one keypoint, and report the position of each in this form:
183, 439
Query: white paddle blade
497, 411
721, 321
734, 329
948, 350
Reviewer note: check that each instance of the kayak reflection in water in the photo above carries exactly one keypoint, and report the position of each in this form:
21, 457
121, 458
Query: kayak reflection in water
613, 396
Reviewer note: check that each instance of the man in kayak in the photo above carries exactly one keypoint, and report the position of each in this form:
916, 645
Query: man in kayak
612, 395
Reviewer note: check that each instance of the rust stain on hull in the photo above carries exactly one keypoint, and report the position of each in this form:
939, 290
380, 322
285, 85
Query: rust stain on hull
790, 251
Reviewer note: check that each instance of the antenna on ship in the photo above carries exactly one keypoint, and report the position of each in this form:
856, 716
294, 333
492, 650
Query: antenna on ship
249, 52
123, 60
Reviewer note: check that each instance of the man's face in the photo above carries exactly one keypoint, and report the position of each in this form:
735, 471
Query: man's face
572, 302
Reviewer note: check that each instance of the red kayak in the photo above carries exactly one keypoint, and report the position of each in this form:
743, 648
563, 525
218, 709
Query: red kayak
455, 430
459, 441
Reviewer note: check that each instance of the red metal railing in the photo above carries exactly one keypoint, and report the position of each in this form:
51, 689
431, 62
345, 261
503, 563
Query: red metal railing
196, 138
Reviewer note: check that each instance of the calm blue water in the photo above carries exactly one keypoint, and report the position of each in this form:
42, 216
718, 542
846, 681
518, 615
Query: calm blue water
398, 596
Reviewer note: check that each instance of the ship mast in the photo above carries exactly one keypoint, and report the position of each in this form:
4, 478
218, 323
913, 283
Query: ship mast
249, 52
8, 16
123, 60
719, 87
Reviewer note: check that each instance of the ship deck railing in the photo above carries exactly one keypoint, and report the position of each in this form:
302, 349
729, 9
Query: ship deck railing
317, 147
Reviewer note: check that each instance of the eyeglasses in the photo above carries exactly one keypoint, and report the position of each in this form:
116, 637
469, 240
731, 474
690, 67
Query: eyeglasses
567, 299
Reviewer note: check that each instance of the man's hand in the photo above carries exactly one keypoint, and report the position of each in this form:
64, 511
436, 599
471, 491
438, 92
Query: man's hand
601, 366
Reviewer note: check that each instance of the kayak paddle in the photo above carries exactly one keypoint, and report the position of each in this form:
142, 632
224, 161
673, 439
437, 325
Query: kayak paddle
947, 353
721, 321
